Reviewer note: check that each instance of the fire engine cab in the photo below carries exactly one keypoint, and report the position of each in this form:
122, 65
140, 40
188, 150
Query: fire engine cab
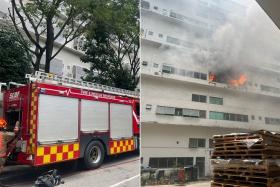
64, 119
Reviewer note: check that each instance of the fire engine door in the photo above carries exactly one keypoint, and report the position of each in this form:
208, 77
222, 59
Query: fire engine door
12, 117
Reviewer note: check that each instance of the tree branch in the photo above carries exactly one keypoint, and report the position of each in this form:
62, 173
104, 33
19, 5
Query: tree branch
24, 27
65, 23
28, 17
74, 35
20, 34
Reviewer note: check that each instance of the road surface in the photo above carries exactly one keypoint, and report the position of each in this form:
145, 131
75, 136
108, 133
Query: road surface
120, 171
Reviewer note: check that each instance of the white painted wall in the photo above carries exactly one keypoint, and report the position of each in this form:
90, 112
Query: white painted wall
161, 141
166, 92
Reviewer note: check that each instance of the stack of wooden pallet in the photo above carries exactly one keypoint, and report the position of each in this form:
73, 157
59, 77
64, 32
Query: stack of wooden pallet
246, 159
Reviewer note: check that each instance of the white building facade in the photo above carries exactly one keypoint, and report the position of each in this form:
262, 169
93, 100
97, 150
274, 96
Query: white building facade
181, 108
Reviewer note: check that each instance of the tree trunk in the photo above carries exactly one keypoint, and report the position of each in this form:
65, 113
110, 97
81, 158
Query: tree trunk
39, 54
37, 64
49, 44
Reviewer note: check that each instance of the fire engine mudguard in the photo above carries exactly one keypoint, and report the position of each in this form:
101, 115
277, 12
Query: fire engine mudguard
94, 155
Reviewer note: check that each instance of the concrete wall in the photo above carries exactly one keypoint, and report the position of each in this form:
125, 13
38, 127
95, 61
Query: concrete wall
173, 141
165, 92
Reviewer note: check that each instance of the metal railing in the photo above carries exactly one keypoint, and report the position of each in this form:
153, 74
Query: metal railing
66, 81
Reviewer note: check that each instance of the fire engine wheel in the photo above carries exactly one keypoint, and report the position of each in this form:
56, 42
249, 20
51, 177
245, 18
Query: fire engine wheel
94, 155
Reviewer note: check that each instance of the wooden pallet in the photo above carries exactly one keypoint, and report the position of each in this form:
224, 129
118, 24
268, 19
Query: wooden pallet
247, 153
256, 179
234, 184
253, 172
245, 156
244, 146
260, 136
230, 184
267, 170
247, 181
246, 164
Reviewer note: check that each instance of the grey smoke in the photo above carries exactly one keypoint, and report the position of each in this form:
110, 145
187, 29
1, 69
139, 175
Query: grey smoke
241, 43
247, 38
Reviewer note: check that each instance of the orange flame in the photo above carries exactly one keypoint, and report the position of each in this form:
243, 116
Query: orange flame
242, 79
212, 77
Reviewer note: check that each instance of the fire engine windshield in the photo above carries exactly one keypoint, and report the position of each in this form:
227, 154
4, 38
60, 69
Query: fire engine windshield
12, 117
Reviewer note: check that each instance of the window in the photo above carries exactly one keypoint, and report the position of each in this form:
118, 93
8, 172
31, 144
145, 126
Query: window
155, 7
199, 98
196, 75
253, 117
165, 110
170, 162
178, 111
216, 100
176, 15
272, 121
216, 115
270, 89
196, 143
155, 65
200, 162
203, 76
160, 35
201, 142
145, 4
184, 161
189, 73
148, 107
162, 163
202, 114
144, 63
232, 117
151, 33
192, 143
228, 116
173, 40
190, 113
153, 162
173, 14
167, 69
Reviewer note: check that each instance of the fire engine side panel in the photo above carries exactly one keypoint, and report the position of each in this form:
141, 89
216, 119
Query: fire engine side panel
120, 120
58, 119
94, 116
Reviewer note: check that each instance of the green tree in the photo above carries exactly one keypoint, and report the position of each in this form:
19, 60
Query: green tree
42, 22
14, 59
113, 43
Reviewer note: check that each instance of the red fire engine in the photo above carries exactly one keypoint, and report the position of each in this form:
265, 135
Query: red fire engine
65, 119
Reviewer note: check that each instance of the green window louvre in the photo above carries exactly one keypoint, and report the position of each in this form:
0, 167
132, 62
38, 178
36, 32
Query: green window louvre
216, 100
216, 115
